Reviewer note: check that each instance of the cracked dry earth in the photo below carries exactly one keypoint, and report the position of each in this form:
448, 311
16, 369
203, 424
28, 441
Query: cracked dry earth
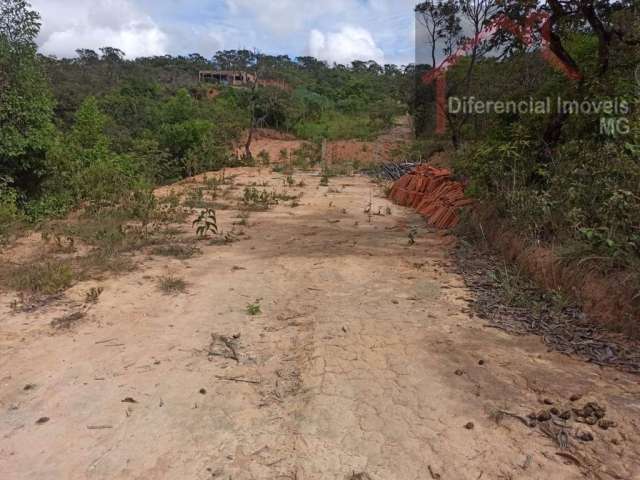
365, 362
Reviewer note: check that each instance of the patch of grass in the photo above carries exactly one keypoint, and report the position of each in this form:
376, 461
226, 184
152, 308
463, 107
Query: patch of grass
255, 199
176, 250
254, 309
284, 169
171, 285
196, 199
43, 278
104, 261
67, 321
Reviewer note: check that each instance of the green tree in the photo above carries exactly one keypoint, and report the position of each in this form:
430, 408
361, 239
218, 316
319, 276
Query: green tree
26, 105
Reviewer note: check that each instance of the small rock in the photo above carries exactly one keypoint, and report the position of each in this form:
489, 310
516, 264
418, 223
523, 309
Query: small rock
469, 426
29, 386
480, 362
129, 400
593, 409
543, 416
203, 391
42, 420
459, 372
547, 401
584, 436
395, 302
591, 420
566, 415
555, 411
575, 397
606, 424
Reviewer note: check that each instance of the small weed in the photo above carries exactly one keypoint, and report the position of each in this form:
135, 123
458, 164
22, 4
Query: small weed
93, 295
171, 285
254, 309
264, 158
290, 181
206, 223
412, 236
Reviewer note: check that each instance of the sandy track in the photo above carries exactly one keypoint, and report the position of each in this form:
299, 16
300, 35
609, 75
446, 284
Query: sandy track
365, 358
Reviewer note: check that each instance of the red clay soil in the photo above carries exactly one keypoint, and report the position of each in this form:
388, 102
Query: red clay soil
606, 298
434, 193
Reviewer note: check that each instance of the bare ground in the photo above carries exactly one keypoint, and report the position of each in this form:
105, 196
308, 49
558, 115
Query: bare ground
363, 362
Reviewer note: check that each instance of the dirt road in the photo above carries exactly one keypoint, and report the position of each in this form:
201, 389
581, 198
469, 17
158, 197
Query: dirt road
364, 361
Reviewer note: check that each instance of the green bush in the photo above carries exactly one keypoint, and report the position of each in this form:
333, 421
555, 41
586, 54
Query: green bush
339, 126
8, 208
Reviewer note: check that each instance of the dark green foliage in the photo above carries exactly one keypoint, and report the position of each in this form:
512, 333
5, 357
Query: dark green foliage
26, 105
581, 188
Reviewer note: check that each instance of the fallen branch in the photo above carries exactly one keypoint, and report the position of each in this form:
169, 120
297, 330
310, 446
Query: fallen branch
237, 379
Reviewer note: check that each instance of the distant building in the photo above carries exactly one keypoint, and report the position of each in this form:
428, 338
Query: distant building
239, 79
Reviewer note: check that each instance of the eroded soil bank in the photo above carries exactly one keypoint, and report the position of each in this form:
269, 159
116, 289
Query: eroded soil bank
363, 361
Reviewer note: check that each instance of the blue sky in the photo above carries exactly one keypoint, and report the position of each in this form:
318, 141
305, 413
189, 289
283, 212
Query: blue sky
333, 30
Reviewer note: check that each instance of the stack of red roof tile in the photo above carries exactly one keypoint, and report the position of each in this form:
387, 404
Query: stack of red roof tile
434, 193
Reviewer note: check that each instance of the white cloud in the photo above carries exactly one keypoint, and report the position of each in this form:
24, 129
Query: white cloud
153, 27
286, 16
348, 44
74, 24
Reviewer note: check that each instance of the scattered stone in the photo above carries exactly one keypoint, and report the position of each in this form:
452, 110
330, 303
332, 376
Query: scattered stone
29, 386
203, 391
129, 400
42, 420
566, 415
547, 401
543, 416
584, 436
395, 302
607, 424
575, 397
469, 426
593, 409
480, 362
555, 411
459, 372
